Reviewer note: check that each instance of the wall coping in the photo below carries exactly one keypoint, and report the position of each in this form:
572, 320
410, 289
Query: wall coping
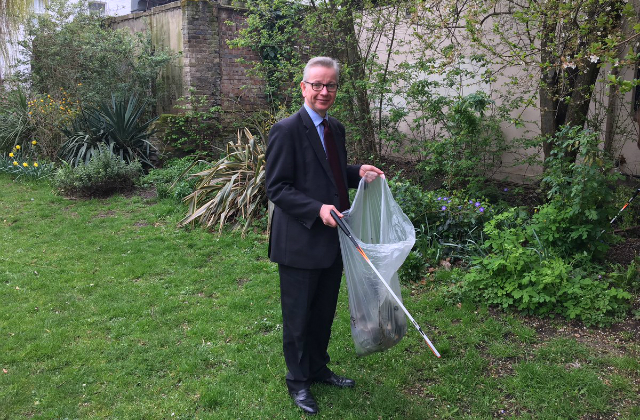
169, 6
158, 9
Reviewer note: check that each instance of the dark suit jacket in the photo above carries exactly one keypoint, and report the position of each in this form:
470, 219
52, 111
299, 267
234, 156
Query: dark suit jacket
299, 181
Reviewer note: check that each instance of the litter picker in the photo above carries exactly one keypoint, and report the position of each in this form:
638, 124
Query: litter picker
625, 206
347, 232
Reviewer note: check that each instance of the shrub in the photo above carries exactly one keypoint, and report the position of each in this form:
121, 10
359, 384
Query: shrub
470, 145
173, 180
15, 127
519, 271
447, 224
194, 130
47, 113
412, 270
232, 188
581, 198
105, 173
70, 48
117, 125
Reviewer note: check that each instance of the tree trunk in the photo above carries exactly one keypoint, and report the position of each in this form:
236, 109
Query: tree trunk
548, 89
609, 123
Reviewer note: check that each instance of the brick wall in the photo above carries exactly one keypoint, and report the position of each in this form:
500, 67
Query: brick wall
238, 88
208, 66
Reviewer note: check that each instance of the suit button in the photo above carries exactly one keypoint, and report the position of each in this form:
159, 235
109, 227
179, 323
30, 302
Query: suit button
335, 195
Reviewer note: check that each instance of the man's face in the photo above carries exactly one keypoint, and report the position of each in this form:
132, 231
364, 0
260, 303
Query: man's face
319, 101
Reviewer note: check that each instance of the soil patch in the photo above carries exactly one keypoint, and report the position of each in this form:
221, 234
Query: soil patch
624, 252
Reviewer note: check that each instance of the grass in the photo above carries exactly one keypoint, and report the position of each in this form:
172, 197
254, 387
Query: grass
109, 310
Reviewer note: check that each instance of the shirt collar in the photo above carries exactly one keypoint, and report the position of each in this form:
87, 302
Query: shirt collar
315, 117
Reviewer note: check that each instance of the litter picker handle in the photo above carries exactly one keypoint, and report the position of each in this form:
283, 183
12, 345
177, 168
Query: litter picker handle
344, 228
347, 232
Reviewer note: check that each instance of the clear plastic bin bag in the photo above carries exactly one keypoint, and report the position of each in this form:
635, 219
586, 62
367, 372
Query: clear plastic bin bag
386, 236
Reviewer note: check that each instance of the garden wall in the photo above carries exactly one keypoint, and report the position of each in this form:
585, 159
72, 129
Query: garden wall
198, 30
626, 120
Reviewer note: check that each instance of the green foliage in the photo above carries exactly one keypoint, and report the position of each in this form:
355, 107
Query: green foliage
581, 203
522, 272
194, 130
14, 119
448, 225
412, 270
170, 180
106, 173
470, 146
274, 31
232, 188
47, 114
23, 162
116, 125
72, 49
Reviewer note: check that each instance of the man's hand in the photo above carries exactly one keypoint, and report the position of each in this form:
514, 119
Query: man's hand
370, 173
325, 215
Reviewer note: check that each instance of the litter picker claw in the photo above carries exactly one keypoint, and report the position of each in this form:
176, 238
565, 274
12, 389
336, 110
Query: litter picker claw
347, 232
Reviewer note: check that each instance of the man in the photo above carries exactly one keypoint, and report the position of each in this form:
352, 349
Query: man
307, 176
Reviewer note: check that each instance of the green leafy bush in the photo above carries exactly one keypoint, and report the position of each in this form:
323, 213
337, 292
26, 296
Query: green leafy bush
172, 180
469, 147
519, 271
106, 173
447, 224
47, 113
194, 130
412, 270
581, 198
117, 125
70, 48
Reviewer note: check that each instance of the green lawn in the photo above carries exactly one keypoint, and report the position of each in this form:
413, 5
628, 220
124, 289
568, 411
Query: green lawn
107, 309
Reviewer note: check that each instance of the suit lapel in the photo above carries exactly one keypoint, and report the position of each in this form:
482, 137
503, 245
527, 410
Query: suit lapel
314, 140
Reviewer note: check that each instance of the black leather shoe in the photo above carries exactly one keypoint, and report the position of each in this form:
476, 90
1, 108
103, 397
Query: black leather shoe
339, 381
305, 401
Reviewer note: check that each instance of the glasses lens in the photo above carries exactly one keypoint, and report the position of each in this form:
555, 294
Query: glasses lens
331, 87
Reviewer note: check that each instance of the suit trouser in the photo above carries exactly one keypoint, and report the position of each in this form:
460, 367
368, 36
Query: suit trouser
308, 299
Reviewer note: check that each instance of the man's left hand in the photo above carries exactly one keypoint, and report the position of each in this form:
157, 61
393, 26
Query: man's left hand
370, 172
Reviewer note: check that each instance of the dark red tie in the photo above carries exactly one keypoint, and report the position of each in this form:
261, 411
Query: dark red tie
334, 162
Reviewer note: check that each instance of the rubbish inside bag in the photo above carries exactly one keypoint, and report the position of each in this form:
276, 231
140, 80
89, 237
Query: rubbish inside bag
386, 236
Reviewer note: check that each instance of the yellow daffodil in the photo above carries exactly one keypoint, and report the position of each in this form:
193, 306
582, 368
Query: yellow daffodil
11, 154
34, 142
17, 147
15, 163
25, 164
35, 164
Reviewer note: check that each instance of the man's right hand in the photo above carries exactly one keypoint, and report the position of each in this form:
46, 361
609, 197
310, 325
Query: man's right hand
325, 215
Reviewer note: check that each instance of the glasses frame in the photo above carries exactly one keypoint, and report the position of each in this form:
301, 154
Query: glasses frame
315, 84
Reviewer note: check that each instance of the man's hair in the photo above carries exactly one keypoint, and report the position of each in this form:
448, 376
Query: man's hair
321, 62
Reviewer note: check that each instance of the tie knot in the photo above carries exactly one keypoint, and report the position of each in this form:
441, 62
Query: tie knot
325, 123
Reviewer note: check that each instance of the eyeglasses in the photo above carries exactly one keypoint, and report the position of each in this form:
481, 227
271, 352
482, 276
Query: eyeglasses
331, 87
